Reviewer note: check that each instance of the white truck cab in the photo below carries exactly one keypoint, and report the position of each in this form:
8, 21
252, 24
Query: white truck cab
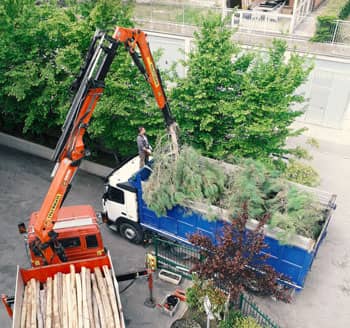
120, 201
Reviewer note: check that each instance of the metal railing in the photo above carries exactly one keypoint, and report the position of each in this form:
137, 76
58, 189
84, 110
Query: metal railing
337, 31
299, 26
175, 256
248, 308
265, 22
341, 32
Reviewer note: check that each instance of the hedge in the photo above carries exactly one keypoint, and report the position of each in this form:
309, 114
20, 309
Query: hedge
326, 24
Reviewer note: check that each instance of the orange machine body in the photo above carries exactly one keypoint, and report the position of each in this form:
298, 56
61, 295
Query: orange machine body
43, 221
78, 232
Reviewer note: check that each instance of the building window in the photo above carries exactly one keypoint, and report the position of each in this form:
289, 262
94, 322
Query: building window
116, 195
91, 241
70, 242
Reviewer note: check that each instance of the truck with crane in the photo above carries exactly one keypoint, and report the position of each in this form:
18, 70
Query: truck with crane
65, 239
126, 212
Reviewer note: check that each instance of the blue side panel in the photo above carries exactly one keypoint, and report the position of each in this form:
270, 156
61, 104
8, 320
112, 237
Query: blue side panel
292, 261
149, 218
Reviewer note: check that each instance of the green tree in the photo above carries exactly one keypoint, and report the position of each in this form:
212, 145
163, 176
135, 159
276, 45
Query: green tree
41, 50
127, 104
32, 84
201, 101
235, 102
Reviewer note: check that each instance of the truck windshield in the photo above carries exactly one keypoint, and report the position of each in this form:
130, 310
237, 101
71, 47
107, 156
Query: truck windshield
70, 242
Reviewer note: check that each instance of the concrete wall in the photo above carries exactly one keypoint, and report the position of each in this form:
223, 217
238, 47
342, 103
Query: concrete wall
45, 152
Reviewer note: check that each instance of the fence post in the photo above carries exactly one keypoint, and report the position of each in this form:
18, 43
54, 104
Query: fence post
223, 12
241, 297
183, 14
155, 243
294, 17
335, 31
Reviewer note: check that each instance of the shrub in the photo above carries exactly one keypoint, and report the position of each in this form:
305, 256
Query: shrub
246, 322
200, 288
326, 24
231, 319
345, 11
324, 29
302, 173
228, 263
235, 319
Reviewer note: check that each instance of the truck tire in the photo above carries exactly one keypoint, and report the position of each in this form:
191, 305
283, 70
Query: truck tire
253, 287
131, 232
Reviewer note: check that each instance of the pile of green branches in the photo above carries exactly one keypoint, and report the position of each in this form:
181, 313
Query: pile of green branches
193, 178
264, 191
188, 178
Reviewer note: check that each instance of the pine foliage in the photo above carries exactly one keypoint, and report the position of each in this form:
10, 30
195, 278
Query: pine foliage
295, 212
189, 178
193, 178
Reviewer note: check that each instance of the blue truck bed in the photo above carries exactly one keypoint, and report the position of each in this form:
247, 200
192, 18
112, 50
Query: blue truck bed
292, 260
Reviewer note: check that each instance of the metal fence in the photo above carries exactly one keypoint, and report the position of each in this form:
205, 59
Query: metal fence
297, 26
248, 308
339, 32
181, 258
263, 22
174, 256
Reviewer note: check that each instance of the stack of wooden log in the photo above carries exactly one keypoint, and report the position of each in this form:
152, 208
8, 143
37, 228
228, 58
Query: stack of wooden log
72, 300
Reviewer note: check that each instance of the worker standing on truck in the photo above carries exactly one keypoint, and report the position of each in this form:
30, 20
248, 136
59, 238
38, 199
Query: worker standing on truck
143, 146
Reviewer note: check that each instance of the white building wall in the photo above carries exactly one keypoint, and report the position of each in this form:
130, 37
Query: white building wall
327, 90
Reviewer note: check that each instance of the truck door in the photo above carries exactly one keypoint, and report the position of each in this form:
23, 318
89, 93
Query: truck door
120, 203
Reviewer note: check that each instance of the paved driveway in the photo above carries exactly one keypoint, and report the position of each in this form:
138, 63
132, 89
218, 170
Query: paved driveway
325, 300
24, 180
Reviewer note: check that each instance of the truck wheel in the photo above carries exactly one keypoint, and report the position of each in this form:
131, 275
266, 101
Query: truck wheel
131, 232
253, 287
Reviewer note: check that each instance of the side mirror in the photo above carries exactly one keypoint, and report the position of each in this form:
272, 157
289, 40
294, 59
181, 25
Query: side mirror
102, 217
22, 228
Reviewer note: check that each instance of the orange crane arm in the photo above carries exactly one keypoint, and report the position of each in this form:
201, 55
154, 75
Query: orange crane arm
67, 167
135, 38
70, 149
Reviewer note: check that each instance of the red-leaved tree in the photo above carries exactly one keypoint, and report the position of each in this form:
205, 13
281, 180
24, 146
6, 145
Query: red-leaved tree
236, 263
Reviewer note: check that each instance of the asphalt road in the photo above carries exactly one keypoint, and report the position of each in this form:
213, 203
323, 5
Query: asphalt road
24, 180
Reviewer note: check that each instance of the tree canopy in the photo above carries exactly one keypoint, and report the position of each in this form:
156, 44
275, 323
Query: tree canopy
241, 250
234, 102
42, 47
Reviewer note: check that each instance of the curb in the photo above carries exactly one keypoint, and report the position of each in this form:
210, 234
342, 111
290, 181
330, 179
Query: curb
46, 152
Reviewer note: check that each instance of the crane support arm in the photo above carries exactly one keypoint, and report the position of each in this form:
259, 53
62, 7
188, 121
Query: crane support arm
70, 149
133, 39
